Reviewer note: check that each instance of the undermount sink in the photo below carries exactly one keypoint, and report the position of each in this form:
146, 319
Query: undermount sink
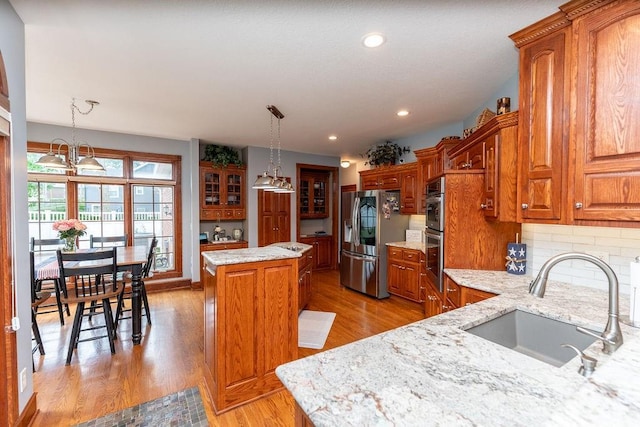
535, 336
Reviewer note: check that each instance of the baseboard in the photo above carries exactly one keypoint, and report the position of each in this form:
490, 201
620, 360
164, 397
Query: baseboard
166, 285
29, 413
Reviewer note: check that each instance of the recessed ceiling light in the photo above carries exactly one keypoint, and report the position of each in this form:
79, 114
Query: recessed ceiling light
332, 137
402, 113
373, 40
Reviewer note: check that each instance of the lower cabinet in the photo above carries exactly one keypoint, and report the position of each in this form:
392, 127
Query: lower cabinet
322, 251
250, 328
403, 273
206, 247
304, 279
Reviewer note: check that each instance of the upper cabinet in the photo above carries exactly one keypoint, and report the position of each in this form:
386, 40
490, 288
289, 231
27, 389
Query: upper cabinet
431, 163
380, 178
579, 157
222, 192
314, 198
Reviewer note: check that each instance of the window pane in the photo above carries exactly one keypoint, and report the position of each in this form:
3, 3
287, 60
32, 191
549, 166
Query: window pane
47, 204
32, 166
153, 216
101, 208
112, 167
155, 170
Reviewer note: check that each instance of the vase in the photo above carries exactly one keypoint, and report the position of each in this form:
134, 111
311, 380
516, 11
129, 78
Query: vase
69, 244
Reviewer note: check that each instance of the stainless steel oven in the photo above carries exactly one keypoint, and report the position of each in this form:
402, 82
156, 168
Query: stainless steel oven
435, 204
434, 248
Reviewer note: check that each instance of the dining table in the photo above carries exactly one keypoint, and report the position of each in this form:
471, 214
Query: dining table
129, 258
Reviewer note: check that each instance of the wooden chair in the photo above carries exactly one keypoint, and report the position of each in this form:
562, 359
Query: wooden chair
88, 278
99, 241
127, 292
49, 284
37, 298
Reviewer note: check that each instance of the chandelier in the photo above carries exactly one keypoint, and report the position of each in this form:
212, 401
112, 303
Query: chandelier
73, 162
272, 178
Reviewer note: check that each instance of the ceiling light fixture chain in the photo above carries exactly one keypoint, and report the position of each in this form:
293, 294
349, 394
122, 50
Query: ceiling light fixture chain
73, 162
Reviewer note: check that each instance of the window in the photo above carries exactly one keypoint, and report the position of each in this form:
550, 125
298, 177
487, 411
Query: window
138, 195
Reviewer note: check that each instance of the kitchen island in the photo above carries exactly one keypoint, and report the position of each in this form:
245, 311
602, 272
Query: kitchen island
251, 321
432, 372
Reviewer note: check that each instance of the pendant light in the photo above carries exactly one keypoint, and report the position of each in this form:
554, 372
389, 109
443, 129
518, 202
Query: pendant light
275, 182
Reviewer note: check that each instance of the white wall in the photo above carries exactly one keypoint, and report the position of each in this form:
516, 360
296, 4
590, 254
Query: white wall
619, 245
12, 45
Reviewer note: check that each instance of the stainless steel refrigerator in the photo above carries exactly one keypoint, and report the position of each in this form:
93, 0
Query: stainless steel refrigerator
369, 219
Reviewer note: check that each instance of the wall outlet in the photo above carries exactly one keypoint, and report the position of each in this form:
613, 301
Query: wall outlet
23, 379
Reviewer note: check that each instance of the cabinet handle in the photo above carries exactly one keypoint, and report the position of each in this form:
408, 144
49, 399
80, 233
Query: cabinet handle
466, 165
483, 206
468, 303
445, 307
451, 290
525, 206
578, 205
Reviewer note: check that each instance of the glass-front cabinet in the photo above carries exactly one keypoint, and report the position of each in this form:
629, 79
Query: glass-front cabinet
314, 201
222, 193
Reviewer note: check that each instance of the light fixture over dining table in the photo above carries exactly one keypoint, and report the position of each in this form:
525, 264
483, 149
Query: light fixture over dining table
272, 179
73, 161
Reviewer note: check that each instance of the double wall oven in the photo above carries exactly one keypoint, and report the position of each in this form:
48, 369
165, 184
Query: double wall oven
434, 230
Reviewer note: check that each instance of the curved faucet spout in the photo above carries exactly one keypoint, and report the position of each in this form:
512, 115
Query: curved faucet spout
611, 336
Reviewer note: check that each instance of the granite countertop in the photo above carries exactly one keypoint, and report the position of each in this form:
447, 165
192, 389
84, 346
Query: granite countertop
408, 245
432, 372
240, 256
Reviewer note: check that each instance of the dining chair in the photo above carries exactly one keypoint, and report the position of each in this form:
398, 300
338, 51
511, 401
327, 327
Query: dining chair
37, 298
49, 284
87, 277
127, 292
99, 241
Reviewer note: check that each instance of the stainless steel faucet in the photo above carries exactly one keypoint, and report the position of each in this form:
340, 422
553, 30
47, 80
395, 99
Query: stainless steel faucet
612, 335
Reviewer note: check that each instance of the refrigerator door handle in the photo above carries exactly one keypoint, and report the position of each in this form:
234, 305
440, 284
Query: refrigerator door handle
359, 257
355, 220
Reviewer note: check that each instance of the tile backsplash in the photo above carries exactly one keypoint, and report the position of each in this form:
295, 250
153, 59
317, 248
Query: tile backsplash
616, 246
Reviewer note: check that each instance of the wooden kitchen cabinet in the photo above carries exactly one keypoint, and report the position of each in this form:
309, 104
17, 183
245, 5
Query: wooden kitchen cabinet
433, 303
304, 279
452, 292
544, 95
470, 296
222, 192
205, 247
605, 133
322, 251
274, 220
380, 178
432, 162
250, 328
493, 148
403, 273
579, 133
313, 196
409, 197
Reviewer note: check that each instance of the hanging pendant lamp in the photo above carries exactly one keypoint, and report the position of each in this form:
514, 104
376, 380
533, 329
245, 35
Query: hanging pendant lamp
272, 178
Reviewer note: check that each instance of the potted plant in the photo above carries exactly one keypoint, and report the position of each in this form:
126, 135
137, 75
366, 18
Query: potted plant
221, 155
386, 153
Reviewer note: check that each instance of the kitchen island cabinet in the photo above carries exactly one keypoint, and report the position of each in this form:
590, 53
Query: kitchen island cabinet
430, 364
251, 322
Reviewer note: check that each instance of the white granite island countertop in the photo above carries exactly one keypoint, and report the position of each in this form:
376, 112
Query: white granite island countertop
432, 372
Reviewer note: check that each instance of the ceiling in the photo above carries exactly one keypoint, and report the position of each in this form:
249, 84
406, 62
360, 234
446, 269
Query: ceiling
207, 69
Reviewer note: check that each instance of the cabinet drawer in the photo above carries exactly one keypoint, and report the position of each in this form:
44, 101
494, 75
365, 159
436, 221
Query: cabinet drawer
410, 255
395, 253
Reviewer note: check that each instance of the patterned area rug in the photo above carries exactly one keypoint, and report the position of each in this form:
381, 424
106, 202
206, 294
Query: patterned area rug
184, 408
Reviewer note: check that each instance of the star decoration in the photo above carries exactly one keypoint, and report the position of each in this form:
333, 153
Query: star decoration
521, 252
512, 252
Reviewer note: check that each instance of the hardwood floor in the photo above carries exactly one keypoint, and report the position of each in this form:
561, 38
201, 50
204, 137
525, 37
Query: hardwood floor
170, 357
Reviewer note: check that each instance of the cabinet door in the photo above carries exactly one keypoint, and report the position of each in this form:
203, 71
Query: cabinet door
433, 303
452, 291
543, 120
606, 135
323, 252
411, 282
389, 181
409, 192
369, 182
234, 189
274, 219
211, 190
394, 278
491, 177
